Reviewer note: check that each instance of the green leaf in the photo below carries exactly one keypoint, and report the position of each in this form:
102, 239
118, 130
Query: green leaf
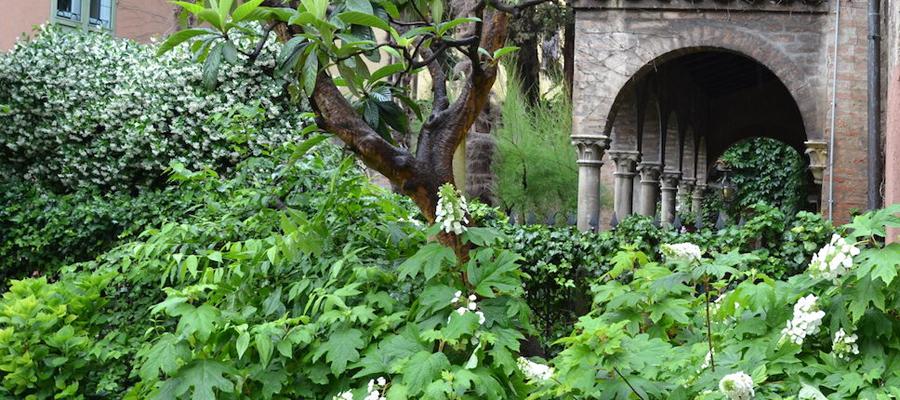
386, 71
362, 6
164, 357
880, 263
422, 369
243, 341
488, 273
310, 71
447, 26
431, 256
199, 320
190, 7
180, 37
504, 51
211, 66
482, 236
245, 9
358, 18
290, 53
263, 343
205, 376
459, 325
341, 348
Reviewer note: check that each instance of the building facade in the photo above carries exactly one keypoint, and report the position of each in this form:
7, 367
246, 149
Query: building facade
134, 19
663, 88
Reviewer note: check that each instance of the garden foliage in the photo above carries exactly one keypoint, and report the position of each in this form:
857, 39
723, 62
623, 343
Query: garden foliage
86, 110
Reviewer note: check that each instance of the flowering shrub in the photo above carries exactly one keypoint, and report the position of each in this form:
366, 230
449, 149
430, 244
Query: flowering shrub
89, 110
657, 333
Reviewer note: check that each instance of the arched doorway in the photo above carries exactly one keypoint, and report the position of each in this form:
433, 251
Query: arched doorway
675, 116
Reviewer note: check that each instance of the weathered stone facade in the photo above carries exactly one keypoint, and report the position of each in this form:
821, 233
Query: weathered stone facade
685, 80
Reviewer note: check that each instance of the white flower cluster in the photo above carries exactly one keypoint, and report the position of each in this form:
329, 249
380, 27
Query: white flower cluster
467, 305
737, 386
535, 371
376, 388
834, 259
707, 360
375, 391
685, 252
89, 110
844, 345
806, 321
343, 396
451, 210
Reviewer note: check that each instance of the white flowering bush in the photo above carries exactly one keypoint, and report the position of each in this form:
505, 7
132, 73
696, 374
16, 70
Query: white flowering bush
806, 320
89, 110
451, 210
682, 252
844, 346
535, 371
737, 386
833, 260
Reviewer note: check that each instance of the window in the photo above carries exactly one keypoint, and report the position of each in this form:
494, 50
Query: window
87, 14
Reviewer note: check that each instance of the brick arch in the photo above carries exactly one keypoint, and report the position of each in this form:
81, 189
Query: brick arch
654, 50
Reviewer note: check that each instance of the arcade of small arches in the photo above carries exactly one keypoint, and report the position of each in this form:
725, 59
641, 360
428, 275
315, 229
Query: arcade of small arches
672, 120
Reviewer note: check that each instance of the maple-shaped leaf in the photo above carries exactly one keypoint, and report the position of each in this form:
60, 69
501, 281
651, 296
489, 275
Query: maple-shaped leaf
866, 290
199, 320
430, 258
873, 223
205, 376
341, 348
880, 263
488, 273
677, 309
163, 356
422, 369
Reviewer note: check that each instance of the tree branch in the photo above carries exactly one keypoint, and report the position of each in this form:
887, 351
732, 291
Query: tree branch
337, 116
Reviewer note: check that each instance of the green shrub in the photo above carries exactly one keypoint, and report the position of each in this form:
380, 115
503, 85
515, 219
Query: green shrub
86, 110
48, 337
536, 170
42, 230
676, 329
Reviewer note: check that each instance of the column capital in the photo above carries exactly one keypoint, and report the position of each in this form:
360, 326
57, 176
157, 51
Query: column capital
625, 160
698, 191
688, 182
650, 171
670, 180
590, 149
817, 150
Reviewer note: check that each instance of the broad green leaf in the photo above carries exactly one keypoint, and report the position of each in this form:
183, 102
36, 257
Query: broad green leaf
341, 348
488, 273
362, 6
430, 257
447, 26
245, 9
199, 320
386, 71
205, 376
504, 51
180, 37
422, 369
211, 66
243, 341
164, 357
190, 7
310, 70
358, 18
880, 263
263, 343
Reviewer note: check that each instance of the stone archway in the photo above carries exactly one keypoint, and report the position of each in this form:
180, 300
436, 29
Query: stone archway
675, 112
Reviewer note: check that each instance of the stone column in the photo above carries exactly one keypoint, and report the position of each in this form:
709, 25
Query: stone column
590, 158
685, 188
697, 198
669, 185
626, 161
649, 187
817, 150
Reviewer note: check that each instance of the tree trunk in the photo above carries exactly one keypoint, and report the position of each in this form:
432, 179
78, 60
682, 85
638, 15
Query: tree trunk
569, 51
528, 68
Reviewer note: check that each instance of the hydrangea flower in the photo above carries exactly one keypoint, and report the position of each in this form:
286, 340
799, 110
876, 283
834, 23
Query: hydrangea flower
833, 260
684, 252
806, 320
737, 386
534, 371
376, 388
343, 396
451, 210
844, 345
468, 304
